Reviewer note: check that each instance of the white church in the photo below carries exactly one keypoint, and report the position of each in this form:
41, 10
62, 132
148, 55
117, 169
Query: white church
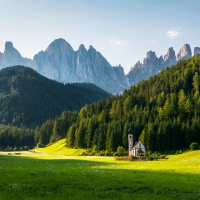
137, 149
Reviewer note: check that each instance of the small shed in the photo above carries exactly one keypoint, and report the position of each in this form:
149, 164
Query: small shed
138, 149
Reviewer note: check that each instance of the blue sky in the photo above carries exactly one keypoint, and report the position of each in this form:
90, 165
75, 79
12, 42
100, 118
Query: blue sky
122, 30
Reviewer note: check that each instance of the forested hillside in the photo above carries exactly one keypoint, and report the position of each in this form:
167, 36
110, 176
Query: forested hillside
28, 99
163, 112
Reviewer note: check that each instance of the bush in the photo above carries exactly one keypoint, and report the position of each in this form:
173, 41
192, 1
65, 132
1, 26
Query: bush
108, 153
100, 153
116, 154
120, 151
8, 148
83, 154
177, 152
132, 158
194, 146
151, 158
15, 148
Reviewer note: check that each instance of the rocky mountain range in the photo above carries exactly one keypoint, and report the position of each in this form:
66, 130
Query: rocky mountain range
61, 63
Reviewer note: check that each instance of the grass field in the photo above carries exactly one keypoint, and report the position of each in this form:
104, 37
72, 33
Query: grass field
48, 176
59, 148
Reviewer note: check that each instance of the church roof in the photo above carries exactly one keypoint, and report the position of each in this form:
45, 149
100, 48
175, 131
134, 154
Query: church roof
137, 143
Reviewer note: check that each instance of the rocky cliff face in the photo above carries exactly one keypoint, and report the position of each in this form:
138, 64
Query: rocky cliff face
169, 58
11, 56
1, 58
153, 65
120, 76
184, 53
61, 63
55, 62
196, 51
134, 72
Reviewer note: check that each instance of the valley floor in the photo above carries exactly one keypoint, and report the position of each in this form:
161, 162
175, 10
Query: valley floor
47, 176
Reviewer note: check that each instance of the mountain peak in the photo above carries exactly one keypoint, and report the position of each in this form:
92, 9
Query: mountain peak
8, 45
82, 47
58, 43
169, 58
196, 51
184, 53
151, 54
91, 48
59, 40
11, 56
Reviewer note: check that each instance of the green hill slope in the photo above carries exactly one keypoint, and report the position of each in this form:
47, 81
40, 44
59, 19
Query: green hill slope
60, 148
28, 99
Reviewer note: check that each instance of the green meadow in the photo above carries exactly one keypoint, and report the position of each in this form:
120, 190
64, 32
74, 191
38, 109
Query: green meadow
60, 176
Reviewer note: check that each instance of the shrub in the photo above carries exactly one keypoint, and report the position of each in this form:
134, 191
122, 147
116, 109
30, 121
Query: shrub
194, 146
101, 153
8, 148
120, 150
177, 152
132, 158
151, 158
108, 153
116, 154
84, 154
15, 148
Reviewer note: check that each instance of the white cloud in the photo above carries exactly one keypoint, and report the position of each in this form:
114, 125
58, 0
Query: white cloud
116, 42
173, 33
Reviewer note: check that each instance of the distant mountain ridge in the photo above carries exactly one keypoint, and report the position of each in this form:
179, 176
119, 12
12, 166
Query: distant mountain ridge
61, 63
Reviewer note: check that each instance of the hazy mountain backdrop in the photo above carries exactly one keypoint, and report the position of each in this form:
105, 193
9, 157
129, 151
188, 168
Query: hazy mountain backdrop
61, 63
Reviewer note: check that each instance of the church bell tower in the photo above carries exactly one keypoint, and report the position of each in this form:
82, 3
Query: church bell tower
130, 141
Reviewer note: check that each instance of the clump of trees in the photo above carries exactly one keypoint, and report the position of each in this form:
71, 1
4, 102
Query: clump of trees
13, 138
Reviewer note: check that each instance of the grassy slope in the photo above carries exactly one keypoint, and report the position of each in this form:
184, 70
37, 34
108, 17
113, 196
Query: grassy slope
45, 176
59, 148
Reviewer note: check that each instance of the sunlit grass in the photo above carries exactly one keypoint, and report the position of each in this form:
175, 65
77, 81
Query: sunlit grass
56, 176
60, 148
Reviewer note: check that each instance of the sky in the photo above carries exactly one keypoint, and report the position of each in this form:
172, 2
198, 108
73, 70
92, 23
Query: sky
123, 31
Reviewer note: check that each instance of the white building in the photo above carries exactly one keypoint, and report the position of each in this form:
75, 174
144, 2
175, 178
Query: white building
135, 150
138, 150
